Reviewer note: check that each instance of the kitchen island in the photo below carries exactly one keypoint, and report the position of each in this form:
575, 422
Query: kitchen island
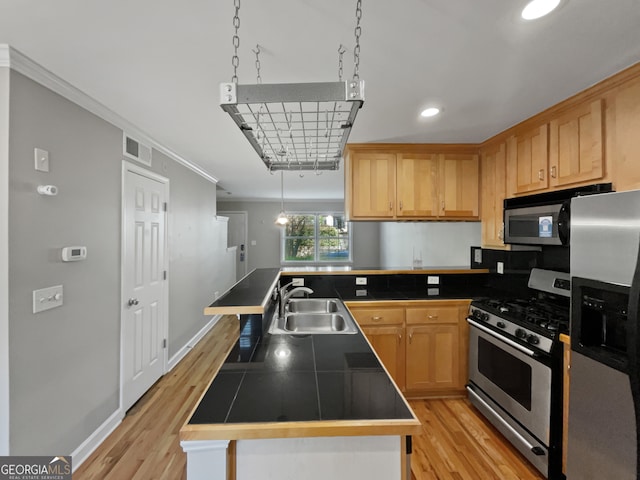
282, 404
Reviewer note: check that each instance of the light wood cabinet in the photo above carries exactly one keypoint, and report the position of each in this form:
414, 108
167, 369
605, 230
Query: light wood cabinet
389, 344
626, 148
527, 160
414, 182
433, 357
576, 152
458, 181
416, 185
422, 344
373, 185
493, 187
383, 325
378, 314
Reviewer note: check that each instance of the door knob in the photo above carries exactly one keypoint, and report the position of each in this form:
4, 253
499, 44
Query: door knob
133, 301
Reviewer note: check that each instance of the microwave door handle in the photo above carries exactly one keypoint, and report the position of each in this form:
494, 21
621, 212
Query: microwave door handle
564, 223
633, 347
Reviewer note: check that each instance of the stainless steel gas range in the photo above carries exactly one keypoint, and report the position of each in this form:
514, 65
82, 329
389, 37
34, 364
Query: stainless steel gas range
515, 366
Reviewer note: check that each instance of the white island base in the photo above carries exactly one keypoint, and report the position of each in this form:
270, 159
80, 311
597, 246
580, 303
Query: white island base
312, 458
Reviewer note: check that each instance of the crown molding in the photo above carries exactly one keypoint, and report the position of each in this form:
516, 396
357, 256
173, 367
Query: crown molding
12, 58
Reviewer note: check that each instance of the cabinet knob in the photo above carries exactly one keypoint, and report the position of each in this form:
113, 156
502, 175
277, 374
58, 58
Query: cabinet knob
541, 174
442, 205
400, 204
390, 205
376, 319
432, 317
553, 172
399, 338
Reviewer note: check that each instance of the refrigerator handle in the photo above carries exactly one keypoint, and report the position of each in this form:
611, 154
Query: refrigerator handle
633, 349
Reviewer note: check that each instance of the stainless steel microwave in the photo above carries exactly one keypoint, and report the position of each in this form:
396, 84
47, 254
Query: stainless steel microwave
545, 218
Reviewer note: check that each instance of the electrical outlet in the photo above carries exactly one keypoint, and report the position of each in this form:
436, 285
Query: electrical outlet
477, 255
433, 280
500, 267
361, 280
361, 292
297, 282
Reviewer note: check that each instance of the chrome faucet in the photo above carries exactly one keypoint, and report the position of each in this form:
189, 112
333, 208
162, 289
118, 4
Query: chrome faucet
286, 295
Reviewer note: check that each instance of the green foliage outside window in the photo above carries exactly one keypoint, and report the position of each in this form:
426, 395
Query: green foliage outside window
316, 238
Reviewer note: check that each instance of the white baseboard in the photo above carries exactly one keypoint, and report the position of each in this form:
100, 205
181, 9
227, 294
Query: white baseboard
96, 438
80, 454
173, 361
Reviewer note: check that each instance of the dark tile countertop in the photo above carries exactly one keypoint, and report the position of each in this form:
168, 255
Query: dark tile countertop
291, 378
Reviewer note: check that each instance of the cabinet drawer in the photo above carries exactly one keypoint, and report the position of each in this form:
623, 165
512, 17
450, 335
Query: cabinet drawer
448, 314
378, 316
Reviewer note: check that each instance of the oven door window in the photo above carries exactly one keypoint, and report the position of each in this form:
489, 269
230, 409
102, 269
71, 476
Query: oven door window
510, 374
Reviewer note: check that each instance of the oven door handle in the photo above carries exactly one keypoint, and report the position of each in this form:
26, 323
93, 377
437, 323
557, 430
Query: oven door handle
535, 449
515, 345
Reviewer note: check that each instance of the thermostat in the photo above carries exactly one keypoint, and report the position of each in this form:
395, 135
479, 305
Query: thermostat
73, 254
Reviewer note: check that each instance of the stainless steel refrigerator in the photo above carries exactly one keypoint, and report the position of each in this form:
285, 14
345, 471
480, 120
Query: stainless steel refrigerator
604, 379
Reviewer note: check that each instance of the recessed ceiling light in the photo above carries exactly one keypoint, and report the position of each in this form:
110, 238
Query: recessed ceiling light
539, 8
430, 112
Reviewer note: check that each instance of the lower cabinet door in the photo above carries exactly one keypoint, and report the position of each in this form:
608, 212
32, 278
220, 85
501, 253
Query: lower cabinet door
433, 358
389, 344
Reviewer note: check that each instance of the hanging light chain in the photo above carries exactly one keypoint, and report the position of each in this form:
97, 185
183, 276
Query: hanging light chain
257, 52
235, 61
356, 50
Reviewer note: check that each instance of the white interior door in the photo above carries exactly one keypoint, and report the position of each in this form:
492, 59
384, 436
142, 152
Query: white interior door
237, 236
144, 299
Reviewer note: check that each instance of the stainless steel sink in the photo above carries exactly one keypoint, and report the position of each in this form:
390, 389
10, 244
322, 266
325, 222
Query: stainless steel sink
307, 316
312, 305
316, 323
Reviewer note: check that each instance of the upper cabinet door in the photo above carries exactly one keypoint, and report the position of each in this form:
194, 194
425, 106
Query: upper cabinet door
575, 145
493, 193
373, 184
458, 181
528, 158
416, 185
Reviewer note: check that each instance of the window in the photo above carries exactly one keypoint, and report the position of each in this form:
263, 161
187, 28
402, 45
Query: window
316, 238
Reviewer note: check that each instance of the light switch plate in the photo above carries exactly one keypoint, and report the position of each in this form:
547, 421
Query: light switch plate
500, 267
41, 158
47, 298
433, 280
361, 280
361, 292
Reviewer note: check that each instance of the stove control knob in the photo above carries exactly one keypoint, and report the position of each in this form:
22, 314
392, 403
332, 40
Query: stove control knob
520, 333
484, 317
533, 340
501, 325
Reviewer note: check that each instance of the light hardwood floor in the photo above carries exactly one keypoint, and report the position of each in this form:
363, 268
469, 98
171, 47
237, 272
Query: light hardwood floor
456, 442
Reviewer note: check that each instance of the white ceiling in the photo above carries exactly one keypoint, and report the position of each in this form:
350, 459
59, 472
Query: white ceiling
158, 64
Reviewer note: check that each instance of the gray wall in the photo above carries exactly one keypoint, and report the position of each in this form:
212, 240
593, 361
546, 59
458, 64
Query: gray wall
266, 252
438, 244
64, 363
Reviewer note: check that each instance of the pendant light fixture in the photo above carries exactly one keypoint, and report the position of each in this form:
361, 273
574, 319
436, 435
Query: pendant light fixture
282, 219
